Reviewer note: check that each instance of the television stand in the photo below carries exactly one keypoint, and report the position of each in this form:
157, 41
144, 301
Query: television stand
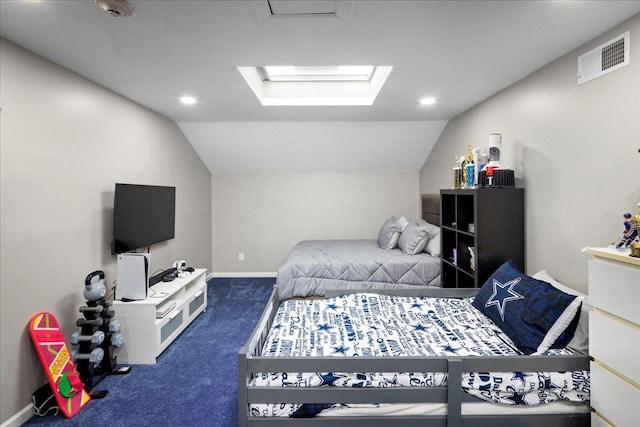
145, 336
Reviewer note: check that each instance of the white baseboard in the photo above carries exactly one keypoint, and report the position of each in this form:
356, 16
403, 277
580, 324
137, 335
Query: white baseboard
21, 417
242, 274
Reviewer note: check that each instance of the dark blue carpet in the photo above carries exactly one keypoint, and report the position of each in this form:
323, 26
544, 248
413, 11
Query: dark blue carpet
195, 381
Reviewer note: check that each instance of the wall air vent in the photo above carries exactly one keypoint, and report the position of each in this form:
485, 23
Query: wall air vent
604, 59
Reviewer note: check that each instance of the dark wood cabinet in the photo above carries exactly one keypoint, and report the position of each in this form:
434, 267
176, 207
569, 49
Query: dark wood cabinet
488, 220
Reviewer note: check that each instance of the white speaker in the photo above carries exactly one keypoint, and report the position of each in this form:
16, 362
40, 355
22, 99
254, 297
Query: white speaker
133, 276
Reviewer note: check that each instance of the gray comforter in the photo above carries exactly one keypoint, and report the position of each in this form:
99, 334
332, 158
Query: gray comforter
314, 266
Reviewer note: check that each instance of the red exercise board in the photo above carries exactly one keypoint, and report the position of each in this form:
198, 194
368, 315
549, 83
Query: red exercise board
57, 363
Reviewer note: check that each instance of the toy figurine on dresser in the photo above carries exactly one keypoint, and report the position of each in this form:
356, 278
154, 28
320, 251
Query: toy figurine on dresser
630, 231
630, 239
635, 245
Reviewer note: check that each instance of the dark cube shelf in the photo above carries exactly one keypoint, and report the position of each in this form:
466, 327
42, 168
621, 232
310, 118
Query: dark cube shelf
497, 233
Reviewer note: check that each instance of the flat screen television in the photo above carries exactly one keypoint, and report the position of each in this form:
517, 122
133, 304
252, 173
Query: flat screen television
142, 215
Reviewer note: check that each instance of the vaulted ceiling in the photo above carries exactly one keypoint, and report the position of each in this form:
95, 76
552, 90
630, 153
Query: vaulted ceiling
460, 52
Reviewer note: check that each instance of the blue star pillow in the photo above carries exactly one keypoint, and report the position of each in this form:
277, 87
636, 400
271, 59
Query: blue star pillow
534, 314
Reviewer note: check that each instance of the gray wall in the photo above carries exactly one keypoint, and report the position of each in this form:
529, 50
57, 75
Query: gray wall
64, 143
264, 215
574, 149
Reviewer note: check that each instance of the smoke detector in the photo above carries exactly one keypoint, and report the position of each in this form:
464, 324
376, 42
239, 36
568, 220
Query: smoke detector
116, 8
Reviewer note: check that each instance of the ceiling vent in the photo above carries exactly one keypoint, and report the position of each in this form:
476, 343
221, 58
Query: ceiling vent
308, 8
267, 9
604, 59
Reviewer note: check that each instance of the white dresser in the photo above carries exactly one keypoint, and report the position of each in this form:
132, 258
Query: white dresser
614, 337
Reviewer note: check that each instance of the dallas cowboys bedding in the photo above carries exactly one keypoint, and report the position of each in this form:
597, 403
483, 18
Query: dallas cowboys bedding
367, 325
313, 266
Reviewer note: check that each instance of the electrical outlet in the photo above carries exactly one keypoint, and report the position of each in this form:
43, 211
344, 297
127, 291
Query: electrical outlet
241, 256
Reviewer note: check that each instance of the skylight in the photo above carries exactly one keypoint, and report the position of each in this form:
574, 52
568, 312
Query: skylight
361, 73
326, 85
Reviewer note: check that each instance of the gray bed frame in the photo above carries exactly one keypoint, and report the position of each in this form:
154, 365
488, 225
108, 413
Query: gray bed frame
250, 362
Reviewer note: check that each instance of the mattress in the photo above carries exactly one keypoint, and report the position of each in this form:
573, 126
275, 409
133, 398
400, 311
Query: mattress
313, 266
468, 408
364, 324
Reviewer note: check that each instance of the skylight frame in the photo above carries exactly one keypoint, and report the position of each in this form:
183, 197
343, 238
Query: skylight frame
315, 93
340, 73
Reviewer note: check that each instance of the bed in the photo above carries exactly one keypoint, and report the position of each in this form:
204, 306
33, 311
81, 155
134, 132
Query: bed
314, 266
433, 401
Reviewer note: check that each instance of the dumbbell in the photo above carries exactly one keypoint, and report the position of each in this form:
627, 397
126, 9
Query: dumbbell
117, 340
92, 322
94, 357
114, 326
96, 338
96, 309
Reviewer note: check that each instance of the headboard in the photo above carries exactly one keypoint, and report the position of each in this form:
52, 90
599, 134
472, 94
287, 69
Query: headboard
431, 208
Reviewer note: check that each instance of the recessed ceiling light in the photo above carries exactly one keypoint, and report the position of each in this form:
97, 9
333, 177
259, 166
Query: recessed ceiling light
188, 100
428, 101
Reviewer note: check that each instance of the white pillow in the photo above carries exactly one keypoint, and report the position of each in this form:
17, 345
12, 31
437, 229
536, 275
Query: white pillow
433, 245
402, 222
580, 340
389, 233
413, 239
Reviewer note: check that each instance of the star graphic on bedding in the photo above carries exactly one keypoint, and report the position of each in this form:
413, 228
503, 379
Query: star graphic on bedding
517, 399
332, 306
328, 379
277, 327
502, 294
340, 349
450, 349
549, 385
520, 376
419, 328
324, 327
416, 305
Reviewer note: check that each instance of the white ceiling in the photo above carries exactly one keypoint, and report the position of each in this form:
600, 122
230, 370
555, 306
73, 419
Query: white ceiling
461, 52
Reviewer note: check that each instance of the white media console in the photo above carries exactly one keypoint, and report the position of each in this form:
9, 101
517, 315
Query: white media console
147, 336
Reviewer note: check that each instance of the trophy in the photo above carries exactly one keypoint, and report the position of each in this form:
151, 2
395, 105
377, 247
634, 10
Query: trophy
457, 174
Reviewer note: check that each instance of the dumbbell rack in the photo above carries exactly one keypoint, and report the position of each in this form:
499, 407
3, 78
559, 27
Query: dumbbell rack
97, 340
